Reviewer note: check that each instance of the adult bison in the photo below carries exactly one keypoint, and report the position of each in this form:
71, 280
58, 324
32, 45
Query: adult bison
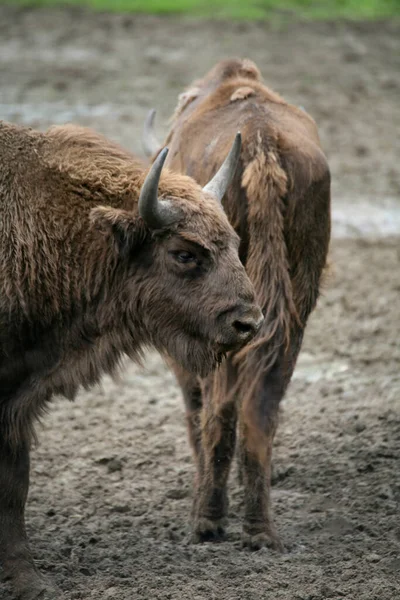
97, 261
279, 204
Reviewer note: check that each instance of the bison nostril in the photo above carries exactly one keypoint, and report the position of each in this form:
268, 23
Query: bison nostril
244, 327
239, 325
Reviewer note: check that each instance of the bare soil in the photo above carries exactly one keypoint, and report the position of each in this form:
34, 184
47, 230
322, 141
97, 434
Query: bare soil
108, 510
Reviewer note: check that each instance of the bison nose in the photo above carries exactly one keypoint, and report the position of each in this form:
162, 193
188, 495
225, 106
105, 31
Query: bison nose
247, 325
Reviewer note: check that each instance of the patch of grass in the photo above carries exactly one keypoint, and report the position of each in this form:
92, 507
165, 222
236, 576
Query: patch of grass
238, 9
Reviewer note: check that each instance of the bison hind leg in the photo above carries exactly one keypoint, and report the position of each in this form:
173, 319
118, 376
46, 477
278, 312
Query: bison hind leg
258, 420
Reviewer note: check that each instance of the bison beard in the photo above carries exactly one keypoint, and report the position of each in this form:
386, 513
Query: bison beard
90, 271
193, 355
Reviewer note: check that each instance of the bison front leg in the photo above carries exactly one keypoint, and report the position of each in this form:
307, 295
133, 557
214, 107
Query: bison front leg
15, 555
212, 433
217, 450
192, 396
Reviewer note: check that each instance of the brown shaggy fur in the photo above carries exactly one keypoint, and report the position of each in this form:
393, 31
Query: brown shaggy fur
84, 280
279, 204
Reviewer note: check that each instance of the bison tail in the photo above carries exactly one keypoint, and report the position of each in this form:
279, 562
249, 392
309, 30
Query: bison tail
267, 264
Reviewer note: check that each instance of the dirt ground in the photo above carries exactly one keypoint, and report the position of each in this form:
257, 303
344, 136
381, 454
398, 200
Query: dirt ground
108, 510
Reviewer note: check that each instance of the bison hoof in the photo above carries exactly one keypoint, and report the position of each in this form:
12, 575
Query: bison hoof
262, 539
208, 531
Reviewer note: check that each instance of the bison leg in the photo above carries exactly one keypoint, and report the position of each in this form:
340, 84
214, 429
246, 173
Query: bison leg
218, 447
256, 434
212, 434
15, 555
193, 404
218, 440
192, 396
258, 526
257, 431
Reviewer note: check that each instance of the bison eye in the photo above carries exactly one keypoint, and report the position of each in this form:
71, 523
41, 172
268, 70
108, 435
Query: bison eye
185, 257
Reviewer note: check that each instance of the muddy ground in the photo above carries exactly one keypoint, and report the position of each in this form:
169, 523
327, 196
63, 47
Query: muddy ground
111, 481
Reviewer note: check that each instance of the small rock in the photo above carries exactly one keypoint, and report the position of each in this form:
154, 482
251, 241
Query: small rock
329, 592
361, 150
120, 508
281, 474
177, 494
138, 511
366, 468
339, 526
386, 492
338, 389
114, 465
373, 557
359, 427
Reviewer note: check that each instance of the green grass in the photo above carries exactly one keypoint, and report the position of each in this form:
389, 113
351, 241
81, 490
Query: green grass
238, 9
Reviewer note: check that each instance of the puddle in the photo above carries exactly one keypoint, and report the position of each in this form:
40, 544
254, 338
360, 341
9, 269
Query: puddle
59, 112
312, 369
365, 218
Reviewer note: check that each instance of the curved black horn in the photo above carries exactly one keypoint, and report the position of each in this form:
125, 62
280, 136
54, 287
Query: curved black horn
219, 183
156, 213
149, 141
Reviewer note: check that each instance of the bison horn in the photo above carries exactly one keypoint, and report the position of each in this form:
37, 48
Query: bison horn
156, 214
219, 183
149, 141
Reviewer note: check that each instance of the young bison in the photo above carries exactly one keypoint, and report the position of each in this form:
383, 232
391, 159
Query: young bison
97, 261
279, 204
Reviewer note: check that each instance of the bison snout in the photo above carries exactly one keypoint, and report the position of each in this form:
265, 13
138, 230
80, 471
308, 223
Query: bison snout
240, 326
247, 327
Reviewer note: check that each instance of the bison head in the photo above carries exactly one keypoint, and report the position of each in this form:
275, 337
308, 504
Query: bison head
187, 291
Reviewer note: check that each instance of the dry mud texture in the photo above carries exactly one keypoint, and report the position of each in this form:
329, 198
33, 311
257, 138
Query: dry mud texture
108, 510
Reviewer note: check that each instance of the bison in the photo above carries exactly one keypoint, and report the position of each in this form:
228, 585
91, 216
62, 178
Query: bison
98, 261
279, 204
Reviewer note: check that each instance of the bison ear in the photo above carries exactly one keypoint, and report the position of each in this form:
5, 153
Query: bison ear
185, 98
127, 230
